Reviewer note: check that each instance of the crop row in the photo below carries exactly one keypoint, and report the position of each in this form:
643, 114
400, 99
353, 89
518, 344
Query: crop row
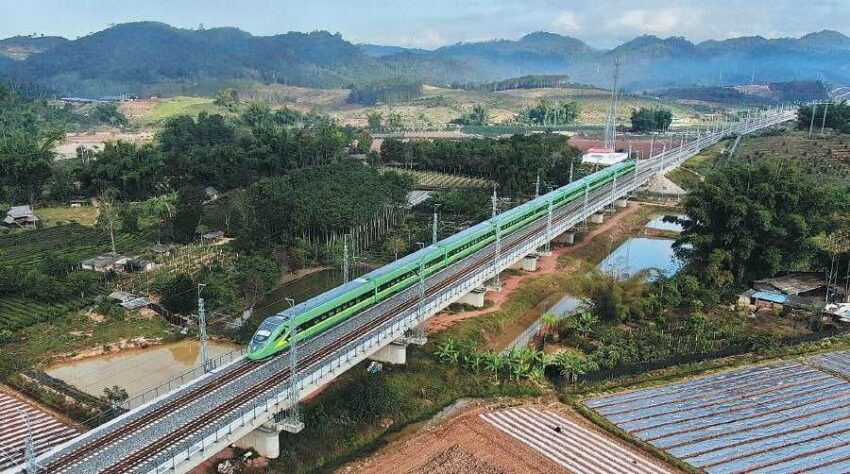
17, 313
75, 241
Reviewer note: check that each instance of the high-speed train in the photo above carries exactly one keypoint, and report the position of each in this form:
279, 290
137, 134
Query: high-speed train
332, 307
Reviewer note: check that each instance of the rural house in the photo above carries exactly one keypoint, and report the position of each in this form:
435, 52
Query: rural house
20, 216
104, 263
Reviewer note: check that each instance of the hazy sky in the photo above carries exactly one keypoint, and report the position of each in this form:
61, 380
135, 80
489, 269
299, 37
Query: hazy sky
432, 23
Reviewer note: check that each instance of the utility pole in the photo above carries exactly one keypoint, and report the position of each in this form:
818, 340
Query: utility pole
495, 202
549, 226
345, 264
537, 187
29, 446
434, 226
496, 256
823, 123
812, 121
202, 330
572, 161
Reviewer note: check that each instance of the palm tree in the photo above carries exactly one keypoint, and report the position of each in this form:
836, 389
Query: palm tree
571, 365
492, 363
586, 322
548, 326
447, 351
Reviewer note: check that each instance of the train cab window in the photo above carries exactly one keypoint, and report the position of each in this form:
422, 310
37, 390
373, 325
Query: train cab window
262, 335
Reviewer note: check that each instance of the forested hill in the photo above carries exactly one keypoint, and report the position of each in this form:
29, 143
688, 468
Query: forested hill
135, 57
22, 47
154, 58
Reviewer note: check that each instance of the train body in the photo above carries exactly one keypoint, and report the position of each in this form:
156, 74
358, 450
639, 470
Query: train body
319, 313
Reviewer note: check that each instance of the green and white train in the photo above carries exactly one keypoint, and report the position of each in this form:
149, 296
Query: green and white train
343, 302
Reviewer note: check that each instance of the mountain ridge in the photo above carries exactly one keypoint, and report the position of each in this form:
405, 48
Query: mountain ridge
155, 57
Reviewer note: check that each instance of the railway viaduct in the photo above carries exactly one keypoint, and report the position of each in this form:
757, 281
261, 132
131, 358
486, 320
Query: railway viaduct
240, 401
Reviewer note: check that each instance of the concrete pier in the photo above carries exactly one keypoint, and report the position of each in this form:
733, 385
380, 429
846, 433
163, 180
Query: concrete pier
474, 298
567, 238
621, 203
529, 263
392, 353
597, 218
265, 440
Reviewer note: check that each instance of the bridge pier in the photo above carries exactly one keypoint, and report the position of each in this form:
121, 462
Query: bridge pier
265, 440
597, 218
567, 238
621, 203
529, 262
396, 352
474, 298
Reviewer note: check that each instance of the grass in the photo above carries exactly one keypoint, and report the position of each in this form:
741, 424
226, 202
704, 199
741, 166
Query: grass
83, 215
76, 332
172, 107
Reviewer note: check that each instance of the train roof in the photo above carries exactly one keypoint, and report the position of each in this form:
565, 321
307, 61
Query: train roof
402, 262
465, 233
322, 298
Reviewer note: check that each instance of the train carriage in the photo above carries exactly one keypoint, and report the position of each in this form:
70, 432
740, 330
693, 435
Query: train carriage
330, 308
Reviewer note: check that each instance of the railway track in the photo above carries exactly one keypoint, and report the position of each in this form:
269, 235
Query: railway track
67, 462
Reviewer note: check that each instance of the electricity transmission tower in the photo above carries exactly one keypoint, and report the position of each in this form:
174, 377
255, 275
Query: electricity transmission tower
611, 120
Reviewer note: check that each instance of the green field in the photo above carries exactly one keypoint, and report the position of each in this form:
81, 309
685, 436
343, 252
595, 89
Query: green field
827, 157
167, 108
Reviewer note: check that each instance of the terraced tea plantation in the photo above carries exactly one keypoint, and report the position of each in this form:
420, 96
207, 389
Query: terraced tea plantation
27, 249
75, 241
17, 313
827, 156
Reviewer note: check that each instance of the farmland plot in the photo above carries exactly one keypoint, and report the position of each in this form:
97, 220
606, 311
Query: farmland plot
572, 446
782, 417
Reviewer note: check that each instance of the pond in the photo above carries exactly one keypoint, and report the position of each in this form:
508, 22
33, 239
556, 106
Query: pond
135, 370
657, 223
642, 253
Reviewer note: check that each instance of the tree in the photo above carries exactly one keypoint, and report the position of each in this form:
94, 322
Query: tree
375, 120
129, 219
115, 395
571, 365
650, 120
395, 244
447, 351
108, 214
479, 116
549, 326
612, 299
364, 142
228, 98
179, 294
750, 220
187, 214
